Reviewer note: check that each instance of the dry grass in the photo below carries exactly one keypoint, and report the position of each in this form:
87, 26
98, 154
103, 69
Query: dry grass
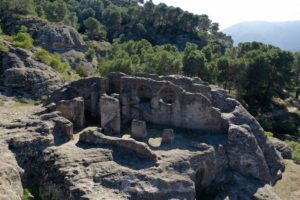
288, 188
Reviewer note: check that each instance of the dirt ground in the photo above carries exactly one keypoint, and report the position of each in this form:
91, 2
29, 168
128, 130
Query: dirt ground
288, 188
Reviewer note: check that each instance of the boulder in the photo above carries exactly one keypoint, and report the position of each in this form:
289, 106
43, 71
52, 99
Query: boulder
168, 136
138, 130
248, 161
110, 114
59, 38
63, 128
284, 149
73, 110
26, 76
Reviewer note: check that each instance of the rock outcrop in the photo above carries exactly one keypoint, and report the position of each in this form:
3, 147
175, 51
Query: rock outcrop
59, 38
284, 149
73, 110
216, 151
10, 175
24, 75
94, 136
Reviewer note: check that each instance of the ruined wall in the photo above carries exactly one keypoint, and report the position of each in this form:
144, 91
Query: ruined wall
163, 102
89, 88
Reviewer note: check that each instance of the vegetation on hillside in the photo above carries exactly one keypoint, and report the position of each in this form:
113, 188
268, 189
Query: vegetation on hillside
166, 40
55, 61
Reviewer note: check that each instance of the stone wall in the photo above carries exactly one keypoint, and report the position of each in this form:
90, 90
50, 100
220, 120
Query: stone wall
162, 102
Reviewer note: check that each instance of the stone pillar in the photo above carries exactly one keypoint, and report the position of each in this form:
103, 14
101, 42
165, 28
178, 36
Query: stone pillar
138, 130
110, 114
73, 110
168, 136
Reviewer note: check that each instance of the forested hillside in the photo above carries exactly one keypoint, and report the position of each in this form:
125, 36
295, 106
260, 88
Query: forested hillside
136, 36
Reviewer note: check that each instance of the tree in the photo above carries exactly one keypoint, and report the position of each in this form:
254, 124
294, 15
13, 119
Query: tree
86, 13
94, 29
229, 71
121, 63
297, 74
194, 62
55, 11
268, 74
111, 16
71, 20
22, 7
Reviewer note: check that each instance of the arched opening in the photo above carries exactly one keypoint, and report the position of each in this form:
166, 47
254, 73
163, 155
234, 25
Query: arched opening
144, 93
168, 95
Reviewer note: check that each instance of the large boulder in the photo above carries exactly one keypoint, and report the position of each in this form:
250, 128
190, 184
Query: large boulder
284, 149
27, 76
59, 38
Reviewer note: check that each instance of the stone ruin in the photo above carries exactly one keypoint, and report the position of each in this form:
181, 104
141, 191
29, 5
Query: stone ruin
120, 99
174, 105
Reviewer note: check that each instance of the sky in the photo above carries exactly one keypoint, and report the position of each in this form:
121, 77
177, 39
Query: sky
230, 12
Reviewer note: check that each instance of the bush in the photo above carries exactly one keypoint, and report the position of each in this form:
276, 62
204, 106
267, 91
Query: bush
91, 53
3, 46
23, 39
55, 61
269, 133
296, 150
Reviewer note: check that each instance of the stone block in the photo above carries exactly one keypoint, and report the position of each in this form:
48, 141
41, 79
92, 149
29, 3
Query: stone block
168, 136
110, 114
73, 110
138, 129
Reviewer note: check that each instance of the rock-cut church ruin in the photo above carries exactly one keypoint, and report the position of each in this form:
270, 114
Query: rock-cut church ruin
178, 113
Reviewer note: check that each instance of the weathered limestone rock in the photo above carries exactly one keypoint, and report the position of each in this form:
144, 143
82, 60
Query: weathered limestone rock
10, 175
248, 161
110, 114
284, 149
168, 136
26, 76
138, 130
93, 136
73, 110
63, 128
59, 38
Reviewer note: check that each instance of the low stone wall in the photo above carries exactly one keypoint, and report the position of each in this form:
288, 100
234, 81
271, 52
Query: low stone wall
94, 136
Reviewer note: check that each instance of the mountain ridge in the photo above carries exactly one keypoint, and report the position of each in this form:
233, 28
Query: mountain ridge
281, 34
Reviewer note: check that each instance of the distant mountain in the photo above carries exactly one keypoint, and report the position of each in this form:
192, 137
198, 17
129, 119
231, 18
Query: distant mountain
285, 35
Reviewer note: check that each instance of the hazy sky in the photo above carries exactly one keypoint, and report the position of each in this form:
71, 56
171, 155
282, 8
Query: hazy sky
229, 12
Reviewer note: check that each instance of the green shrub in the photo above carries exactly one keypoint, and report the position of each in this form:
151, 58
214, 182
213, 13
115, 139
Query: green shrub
81, 71
23, 39
3, 46
31, 191
269, 133
55, 61
91, 53
296, 150
1, 32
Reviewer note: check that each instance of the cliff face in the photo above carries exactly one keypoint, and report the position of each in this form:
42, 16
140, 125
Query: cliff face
224, 156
